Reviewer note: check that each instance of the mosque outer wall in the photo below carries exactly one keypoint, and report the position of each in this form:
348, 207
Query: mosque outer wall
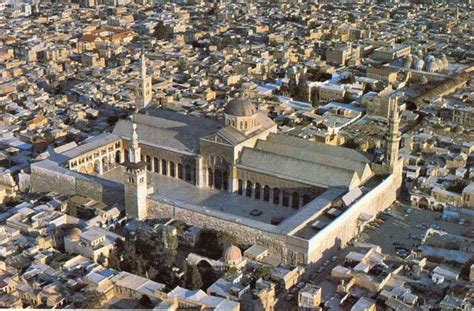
345, 227
279, 244
61, 180
292, 249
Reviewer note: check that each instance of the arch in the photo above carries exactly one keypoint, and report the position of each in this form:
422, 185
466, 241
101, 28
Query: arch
188, 172
225, 180
248, 189
266, 193
240, 187
217, 179
276, 195
245, 125
148, 163
172, 169
286, 198
97, 166
295, 200
105, 164
180, 171
164, 167
306, 199
258, 190
210, 177
90, 168
423, 203
156, 164
83, 169
127, 156
118, 156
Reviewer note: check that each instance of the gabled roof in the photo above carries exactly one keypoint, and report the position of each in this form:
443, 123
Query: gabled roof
298, 170
168, 130
316, 156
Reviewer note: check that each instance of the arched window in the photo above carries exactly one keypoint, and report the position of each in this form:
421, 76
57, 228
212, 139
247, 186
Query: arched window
172, 169
188, 172
164, 167
295, 200
266, 193
240, 189
148, 163
286, 198
248, 189
245, 125
306, 199
127, 156
210, 177
258, 190
218, 179
276, 195
118, 155
156, 164
180, 171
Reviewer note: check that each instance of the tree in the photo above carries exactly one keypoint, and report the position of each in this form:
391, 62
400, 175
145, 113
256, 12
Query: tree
92, 300
264, 272
146, 302
162, 32
193, 277
212, 243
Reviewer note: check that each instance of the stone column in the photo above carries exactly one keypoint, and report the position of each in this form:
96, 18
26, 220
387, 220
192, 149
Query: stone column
101, 169
200, 173
122, 156
233, 180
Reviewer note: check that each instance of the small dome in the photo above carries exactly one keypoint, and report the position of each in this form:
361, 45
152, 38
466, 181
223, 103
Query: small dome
240, 107
232, 255
408, 61
440, 64
75, 234
445, 61
419, 64
429, 58
431, 66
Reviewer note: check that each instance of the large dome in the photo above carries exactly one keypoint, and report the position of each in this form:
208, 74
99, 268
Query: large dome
232, 255
240, 107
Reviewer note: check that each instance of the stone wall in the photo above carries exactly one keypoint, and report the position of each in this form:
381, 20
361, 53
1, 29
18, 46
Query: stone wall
278, 244
292, 249
46, 177
345, 227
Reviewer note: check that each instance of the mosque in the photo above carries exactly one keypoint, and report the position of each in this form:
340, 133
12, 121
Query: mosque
300, 199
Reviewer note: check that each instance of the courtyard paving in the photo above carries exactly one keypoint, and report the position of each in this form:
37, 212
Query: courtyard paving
179, 191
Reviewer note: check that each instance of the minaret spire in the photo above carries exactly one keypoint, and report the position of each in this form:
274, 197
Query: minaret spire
393, 137
134, 151
145, 83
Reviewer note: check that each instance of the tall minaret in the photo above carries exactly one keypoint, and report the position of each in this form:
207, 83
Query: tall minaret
392, 140
145, 92
135, 180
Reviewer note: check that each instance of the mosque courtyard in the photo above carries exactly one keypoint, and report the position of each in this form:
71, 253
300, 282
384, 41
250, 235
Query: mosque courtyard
179, 192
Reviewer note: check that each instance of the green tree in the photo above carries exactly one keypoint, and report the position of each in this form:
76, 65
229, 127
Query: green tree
146, 302
212, 243
162, 32
114, 260
193, 277
264, 272
92, 300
